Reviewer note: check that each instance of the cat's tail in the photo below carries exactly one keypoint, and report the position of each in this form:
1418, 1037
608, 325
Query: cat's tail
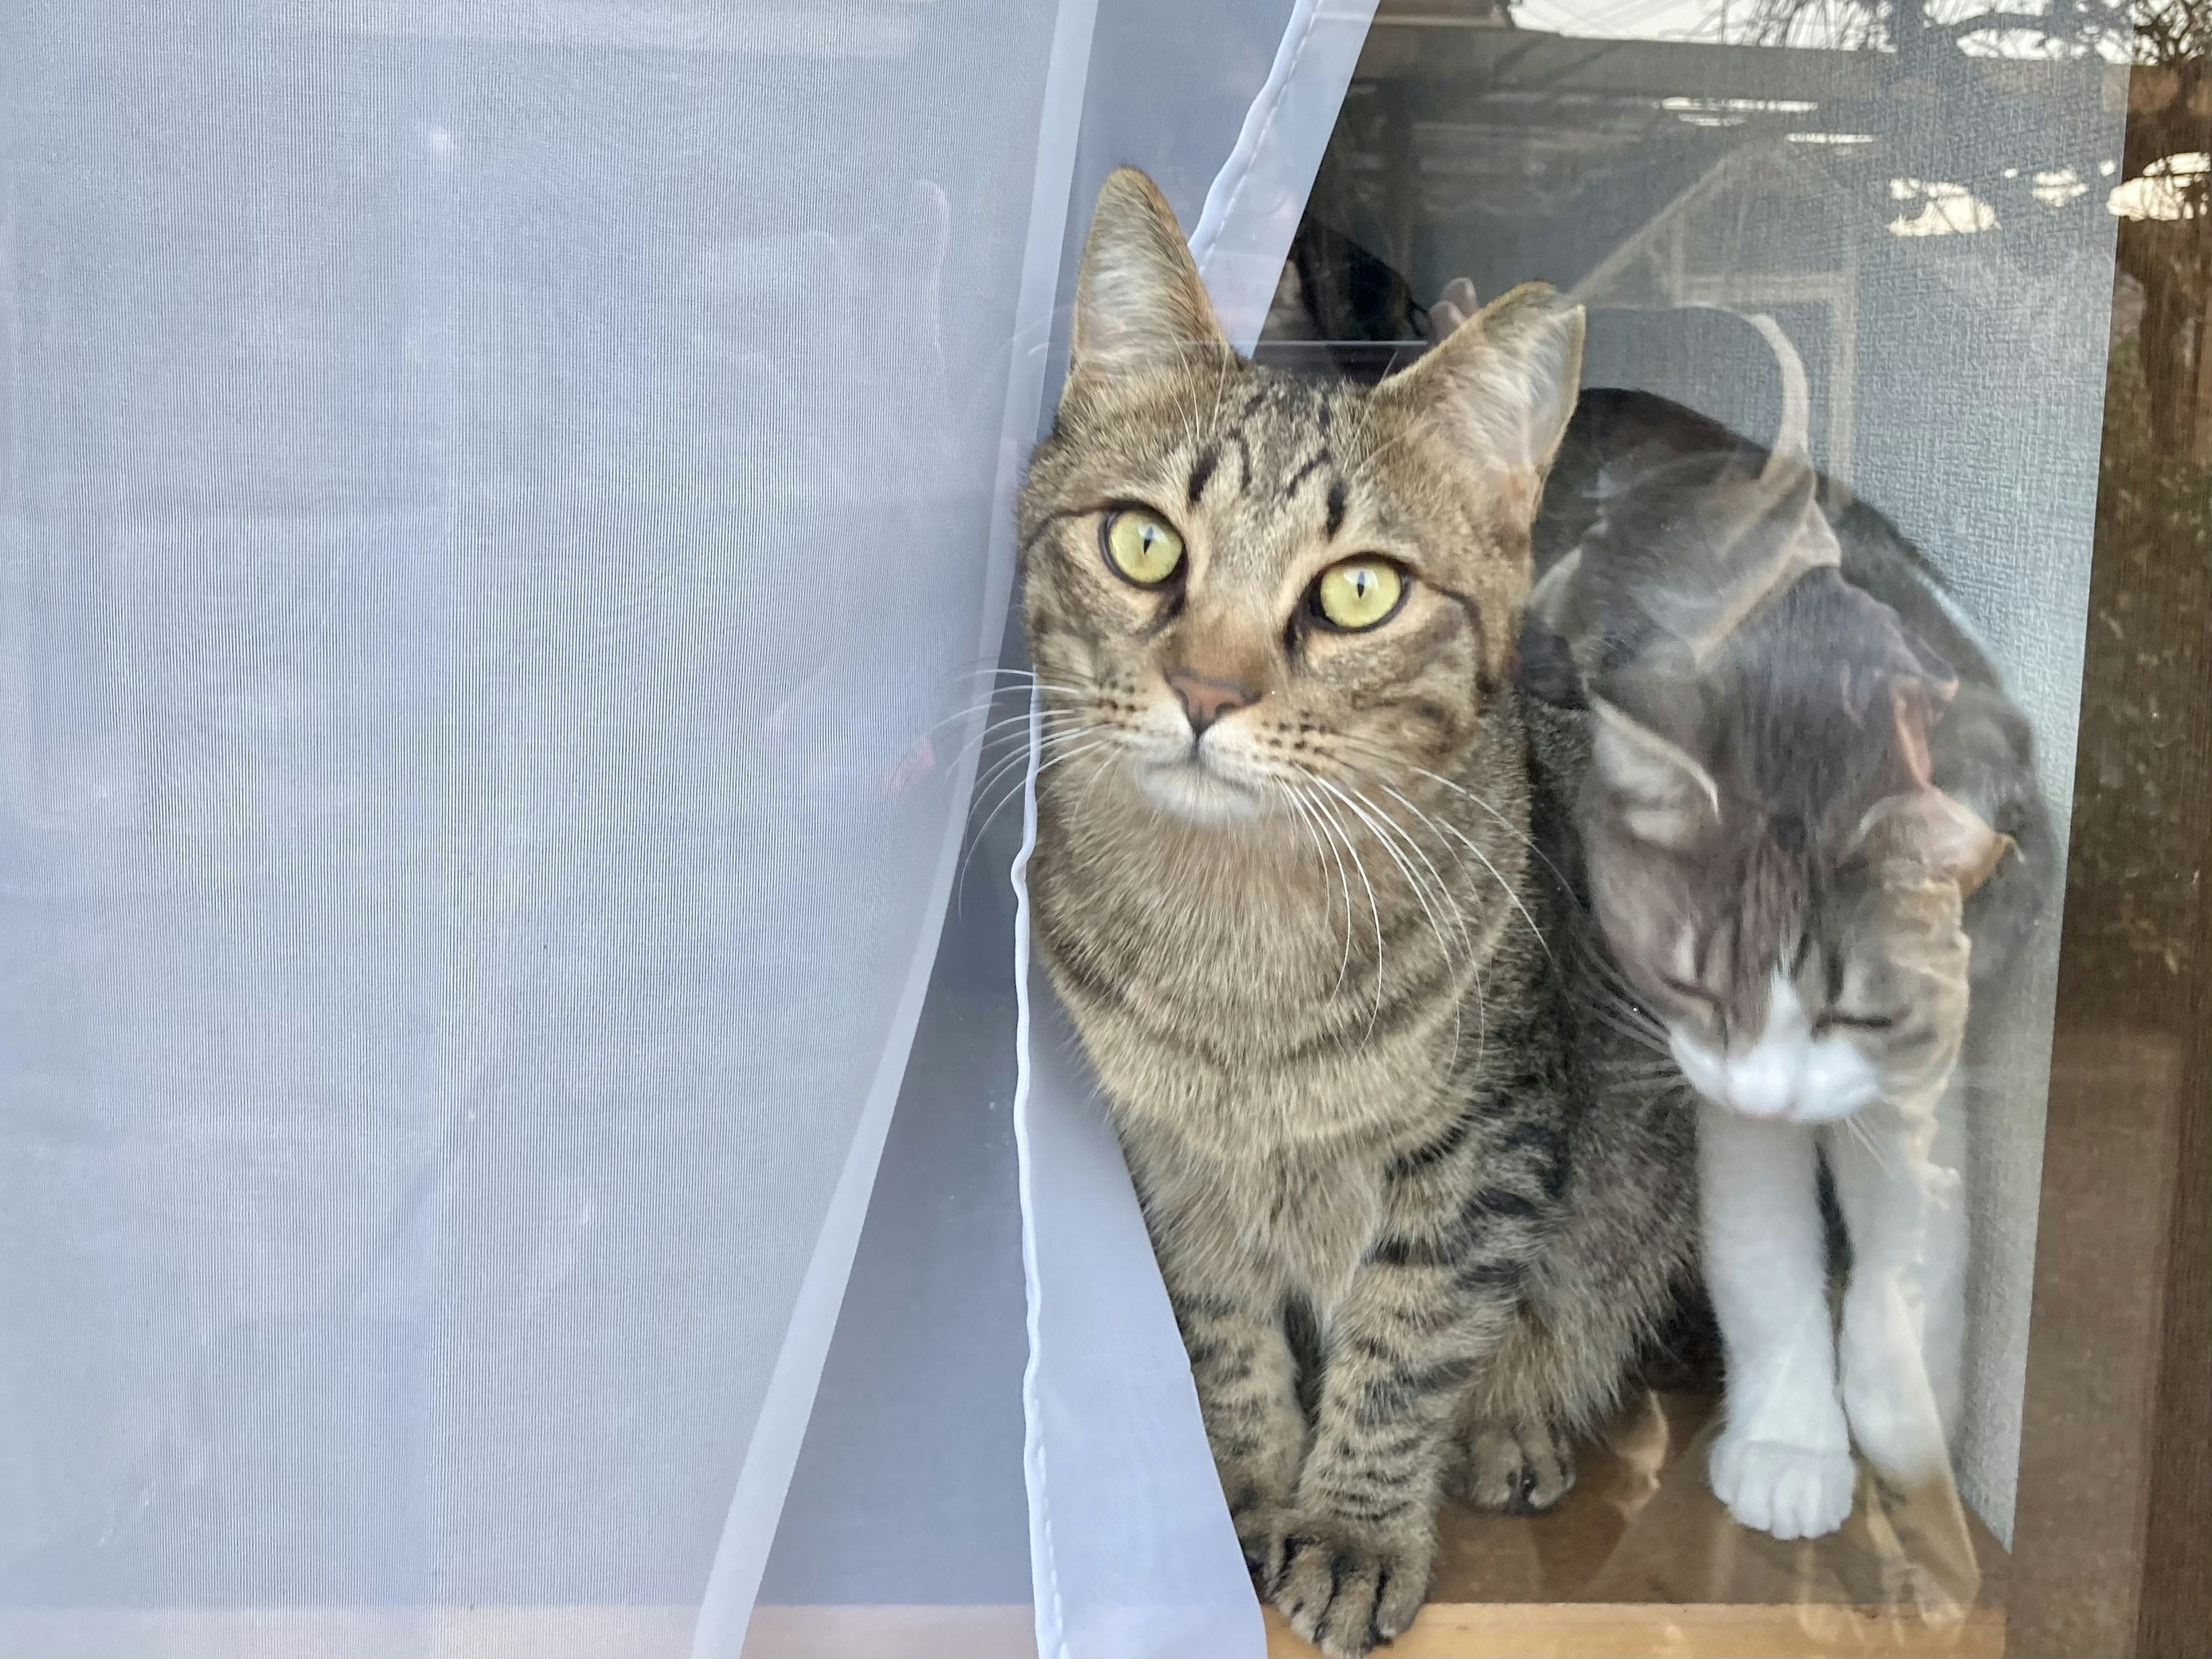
1791, 443
1787, 484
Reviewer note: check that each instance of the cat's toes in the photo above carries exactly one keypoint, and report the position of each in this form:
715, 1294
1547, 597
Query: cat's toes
1256, 1516
1520, 1472
1345, 1586
1791, 1491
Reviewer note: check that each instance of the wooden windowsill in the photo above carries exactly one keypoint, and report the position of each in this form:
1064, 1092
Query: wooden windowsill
1640, 1558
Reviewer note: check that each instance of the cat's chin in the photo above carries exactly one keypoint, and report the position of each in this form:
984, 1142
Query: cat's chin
1818, 1080
1190, 790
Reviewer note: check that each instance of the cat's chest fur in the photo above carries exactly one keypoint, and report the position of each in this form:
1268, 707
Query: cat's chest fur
1255, 1007
1297, 1219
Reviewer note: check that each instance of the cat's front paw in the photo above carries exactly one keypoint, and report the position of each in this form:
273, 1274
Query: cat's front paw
1345, 1586
1523, 1471
1894, 1418
1789, 1490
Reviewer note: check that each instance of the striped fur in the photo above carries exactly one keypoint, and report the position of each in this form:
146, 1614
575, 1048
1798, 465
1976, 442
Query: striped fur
1328, 988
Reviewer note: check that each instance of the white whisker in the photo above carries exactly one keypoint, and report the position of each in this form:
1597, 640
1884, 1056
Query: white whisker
1374, 909
1313, 822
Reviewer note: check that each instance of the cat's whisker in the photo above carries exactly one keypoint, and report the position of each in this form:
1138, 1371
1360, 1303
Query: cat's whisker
1542, 943
1001, 696
1625, 1007
976, 837
1014, 717
1374, 909
1367, 815
1868, 1139
1010, 737
1394, 828
1299, 805
1020, 677
1609, 1013
1638, 1066
1482, 1038
1612, 1022
1629, 1024
1091, 783
1047, 742
1503, 822
1616, 980
1444, 896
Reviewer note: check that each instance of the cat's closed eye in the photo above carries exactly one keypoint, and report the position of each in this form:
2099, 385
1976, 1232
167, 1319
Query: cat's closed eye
1696, 994
1834, 1019
1709, 1005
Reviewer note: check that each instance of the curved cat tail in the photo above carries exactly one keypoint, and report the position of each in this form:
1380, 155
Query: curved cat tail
1790, 441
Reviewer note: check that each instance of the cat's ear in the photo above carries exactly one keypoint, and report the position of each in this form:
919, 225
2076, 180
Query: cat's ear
1916, 821
1928, 828
1508, 377
1916, 704
1665, 795
1138, 302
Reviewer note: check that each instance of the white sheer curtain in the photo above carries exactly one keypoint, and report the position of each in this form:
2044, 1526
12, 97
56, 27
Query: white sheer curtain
495, 499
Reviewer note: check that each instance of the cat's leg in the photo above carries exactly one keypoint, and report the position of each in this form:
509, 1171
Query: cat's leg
1246, 1380
1515, 1467
1618, 1250
1229, 1306
1349, 1562
1898, 1185
1783, 1463
1432, 1297
1512, 1451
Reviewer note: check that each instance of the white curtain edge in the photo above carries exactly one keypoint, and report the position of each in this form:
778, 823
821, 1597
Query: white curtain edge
1252, 209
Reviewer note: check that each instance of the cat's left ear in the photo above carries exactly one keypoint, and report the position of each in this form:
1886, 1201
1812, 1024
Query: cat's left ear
1507, 378
1941, 679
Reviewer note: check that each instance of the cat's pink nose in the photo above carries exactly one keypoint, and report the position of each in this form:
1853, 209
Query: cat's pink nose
1763, 1083
1206, 701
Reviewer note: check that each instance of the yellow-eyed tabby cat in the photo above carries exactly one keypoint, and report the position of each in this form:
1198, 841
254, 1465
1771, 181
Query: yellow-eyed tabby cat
1287, 881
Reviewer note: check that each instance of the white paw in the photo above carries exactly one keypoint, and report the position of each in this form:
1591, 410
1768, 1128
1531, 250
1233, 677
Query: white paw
1895, 1420
1789, 1490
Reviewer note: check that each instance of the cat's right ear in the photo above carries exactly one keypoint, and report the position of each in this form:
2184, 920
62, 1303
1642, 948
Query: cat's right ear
1138, 300
1665, 796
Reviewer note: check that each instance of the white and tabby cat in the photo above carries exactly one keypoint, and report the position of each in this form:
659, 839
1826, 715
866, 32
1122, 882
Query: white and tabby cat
1790, 803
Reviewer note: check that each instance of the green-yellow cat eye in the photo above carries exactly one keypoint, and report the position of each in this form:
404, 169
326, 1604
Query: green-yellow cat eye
1357, 594
1139, 547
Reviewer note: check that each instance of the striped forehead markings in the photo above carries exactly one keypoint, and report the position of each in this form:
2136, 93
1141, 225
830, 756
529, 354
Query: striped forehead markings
1321, 458
1209, 459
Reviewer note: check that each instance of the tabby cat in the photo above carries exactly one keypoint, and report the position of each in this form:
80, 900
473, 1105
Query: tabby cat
1287, 882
